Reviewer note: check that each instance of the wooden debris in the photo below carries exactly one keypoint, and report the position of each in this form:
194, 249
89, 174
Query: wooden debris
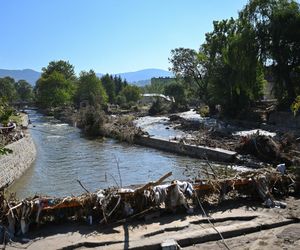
125, 204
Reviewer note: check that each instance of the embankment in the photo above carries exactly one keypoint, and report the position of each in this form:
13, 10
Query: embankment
13, 165
214, 154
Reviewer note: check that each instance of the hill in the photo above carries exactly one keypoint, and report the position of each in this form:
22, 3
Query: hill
140, 78
29, 75
145, 74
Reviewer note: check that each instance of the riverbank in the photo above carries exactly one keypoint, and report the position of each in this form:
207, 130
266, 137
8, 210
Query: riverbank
243, 224
204, 138
64, 155
146, 231
23, 154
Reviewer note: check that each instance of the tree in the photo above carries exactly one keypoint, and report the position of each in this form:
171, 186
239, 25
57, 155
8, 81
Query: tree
110, 87
24, 90
7, 88
56, 86
190, 66
119, 84
276, 24
54, 90
62, 67
90, 88
132, 93
234, 73
158, 85
177, 91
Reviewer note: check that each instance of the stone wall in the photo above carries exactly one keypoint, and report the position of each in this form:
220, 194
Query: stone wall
13, 165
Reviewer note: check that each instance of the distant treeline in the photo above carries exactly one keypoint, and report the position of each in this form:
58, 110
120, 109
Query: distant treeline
227, 71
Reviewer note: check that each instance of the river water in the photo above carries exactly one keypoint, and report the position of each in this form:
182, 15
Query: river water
64, 156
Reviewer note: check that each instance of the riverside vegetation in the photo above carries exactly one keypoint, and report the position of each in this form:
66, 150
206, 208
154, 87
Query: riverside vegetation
225, 78
229, 70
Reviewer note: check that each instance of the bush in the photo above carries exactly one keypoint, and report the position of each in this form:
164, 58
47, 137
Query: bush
296, 105
158, 107
204, 111
5, 112
121, 100
132, 93
91, 120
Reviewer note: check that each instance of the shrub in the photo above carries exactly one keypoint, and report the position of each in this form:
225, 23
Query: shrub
158, 107
91, 120
296, 105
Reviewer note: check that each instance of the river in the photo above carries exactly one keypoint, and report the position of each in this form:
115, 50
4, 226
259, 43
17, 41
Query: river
64, 156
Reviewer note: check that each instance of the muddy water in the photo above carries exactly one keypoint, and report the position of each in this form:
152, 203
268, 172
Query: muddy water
64, 156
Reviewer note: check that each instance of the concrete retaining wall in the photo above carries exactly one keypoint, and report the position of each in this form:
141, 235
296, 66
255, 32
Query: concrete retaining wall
13, 165
214, 154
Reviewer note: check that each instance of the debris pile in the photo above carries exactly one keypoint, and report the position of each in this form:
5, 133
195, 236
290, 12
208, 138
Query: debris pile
120, 204
268, 149
122, 128
11, 133
262, 145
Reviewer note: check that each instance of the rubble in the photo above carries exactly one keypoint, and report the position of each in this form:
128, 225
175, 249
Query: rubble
120, 204
122, 128
261, 145
266, 149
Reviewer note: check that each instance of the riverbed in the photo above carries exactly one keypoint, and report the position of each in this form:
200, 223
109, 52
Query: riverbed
65, 156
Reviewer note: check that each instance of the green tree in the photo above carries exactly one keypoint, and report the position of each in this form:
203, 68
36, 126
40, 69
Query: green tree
177, 91
119, 84
7, 87
234, 73
56, 86
24, 90
62, 67
190, 65
158, 85
276, 24
132, 93
90, 88
110, 87
54, 90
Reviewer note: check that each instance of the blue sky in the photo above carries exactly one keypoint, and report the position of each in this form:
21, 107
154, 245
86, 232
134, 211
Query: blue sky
111, 36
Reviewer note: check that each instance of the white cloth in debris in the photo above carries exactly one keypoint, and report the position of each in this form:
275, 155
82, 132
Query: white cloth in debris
177, 197
126, 190
186, 187
160, 193
100, 196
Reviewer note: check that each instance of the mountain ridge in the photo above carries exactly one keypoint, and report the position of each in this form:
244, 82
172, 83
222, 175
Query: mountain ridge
134, 77
29, 75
